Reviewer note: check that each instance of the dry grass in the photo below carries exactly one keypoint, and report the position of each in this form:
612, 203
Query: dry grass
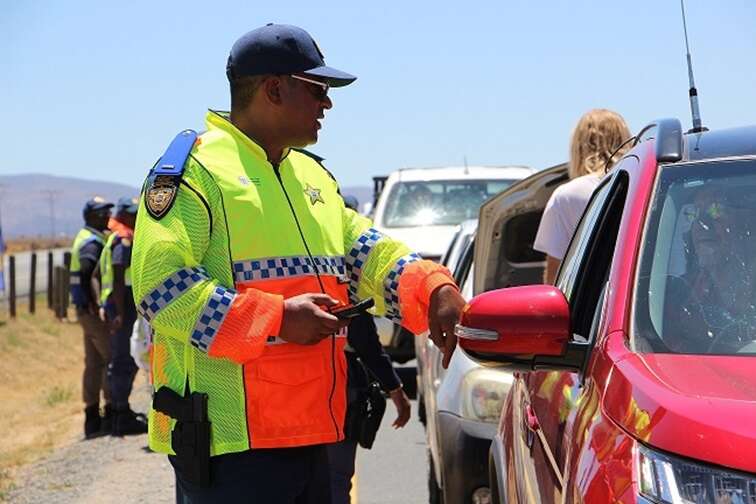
40, 388
22, 244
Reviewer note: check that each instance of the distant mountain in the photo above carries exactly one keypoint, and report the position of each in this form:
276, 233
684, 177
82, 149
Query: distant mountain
35, 205
26, 211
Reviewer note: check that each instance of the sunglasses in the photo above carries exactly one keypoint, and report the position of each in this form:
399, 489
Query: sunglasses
318, 89
712, 212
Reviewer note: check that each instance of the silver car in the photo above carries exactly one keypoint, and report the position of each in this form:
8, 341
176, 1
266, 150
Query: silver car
460, 406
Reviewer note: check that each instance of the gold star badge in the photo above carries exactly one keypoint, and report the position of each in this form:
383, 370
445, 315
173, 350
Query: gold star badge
314, 195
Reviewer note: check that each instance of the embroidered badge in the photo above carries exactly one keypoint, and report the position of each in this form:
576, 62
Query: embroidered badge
160, 195
314, 195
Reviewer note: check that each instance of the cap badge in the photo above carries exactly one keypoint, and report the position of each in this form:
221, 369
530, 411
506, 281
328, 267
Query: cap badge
314, 195
160, 195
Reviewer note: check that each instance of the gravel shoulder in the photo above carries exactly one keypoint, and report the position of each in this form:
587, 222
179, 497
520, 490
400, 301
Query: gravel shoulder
102, 470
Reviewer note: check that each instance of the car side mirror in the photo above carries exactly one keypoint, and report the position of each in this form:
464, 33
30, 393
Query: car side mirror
525, 327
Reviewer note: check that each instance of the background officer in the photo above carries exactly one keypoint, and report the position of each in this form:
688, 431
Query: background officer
85, 254
117, 301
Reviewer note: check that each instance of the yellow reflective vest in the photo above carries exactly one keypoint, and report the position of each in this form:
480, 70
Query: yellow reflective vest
106, 264
211, 274
80, 293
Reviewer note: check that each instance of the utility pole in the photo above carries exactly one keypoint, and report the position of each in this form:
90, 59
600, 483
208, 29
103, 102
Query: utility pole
51, 195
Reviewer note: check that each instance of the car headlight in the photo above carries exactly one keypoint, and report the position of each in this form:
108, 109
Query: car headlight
668, 479
483, 392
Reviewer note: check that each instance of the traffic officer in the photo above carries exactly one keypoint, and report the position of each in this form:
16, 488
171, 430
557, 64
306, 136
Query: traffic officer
85, 254
242, 251
117, 302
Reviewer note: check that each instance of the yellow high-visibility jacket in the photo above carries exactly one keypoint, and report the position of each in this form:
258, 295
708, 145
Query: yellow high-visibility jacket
211, 273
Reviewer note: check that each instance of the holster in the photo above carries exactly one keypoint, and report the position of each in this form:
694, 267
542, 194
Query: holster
190, 438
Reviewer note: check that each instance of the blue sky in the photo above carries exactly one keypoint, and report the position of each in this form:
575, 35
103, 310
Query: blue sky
97, 89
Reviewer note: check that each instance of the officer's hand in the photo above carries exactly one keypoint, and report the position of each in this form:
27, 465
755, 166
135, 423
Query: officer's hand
444, 313
403, 407
305, 322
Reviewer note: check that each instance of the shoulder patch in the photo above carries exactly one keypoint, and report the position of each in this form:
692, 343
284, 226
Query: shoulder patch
164, 179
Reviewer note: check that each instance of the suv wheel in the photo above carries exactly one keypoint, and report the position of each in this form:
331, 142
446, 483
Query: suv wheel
435, 495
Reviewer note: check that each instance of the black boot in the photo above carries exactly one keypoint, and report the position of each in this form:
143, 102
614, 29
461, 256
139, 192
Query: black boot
92, 423
127, 422
106, 426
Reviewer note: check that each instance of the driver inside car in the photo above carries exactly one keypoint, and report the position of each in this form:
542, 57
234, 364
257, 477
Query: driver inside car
710, 308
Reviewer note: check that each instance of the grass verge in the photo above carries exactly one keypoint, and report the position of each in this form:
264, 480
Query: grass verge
40, 387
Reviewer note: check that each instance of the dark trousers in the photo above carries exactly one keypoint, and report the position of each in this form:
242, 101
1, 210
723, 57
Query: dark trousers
270, 476
122, 368
341, 460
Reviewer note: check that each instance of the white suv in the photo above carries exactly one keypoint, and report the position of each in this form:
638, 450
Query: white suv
423, 207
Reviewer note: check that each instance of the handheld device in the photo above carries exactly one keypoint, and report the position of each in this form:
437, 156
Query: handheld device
351, 311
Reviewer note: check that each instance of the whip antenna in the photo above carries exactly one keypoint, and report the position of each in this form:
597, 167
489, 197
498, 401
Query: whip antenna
693, 92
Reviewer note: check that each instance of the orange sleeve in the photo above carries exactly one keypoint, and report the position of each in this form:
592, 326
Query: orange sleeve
416, 284
253, 316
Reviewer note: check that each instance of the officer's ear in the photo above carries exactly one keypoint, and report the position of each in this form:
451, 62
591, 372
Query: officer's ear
271, 88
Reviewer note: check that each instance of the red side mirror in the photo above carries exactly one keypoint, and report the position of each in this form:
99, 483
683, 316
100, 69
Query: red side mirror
516, 324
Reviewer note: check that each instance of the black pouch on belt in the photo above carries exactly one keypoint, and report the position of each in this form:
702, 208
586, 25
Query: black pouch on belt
190, 438
364, 413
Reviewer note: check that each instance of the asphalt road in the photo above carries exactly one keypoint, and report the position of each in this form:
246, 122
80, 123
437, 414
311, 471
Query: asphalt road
23, 271
395, 470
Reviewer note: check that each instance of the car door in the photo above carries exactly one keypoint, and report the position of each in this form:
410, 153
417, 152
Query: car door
435, 371
509, 221
549, 400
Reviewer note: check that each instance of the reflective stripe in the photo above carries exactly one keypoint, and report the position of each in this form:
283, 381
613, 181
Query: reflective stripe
287, 267
169, 290
212, 316
391, 287
357, 256
275, 340
74, 279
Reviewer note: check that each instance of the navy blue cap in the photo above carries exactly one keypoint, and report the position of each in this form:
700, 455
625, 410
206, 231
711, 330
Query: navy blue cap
95, 204
127, 205
281, 50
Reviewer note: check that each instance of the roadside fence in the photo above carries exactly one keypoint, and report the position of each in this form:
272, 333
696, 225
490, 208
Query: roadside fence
22, 279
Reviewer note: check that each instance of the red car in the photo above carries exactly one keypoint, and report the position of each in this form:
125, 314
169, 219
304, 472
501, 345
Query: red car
637, 371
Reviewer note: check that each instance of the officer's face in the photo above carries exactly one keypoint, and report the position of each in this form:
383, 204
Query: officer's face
305, 105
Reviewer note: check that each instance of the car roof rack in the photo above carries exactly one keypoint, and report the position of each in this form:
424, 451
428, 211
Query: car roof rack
669, 139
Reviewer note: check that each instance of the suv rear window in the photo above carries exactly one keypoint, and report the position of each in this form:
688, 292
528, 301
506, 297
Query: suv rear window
696, 287
439, 202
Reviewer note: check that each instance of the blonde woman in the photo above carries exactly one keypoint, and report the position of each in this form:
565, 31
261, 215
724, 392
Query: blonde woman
595, 138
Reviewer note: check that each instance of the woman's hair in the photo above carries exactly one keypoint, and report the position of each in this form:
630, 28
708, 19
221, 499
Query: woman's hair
595, 138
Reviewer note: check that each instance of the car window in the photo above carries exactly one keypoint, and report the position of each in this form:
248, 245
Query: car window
585, 272
568, 272
464, 264
440, 202
696, 283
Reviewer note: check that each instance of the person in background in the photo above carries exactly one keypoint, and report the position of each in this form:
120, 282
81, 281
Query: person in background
363, 349
85, 254
119, 309
593, 150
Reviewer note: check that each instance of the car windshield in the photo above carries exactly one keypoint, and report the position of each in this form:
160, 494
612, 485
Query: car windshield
697, 278
439, 202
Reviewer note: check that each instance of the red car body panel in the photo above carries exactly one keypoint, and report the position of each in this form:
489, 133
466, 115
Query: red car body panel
699, 406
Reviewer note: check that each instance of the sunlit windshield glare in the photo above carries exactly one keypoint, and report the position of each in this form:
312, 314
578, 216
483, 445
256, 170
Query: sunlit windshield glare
438, 202
697, 278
